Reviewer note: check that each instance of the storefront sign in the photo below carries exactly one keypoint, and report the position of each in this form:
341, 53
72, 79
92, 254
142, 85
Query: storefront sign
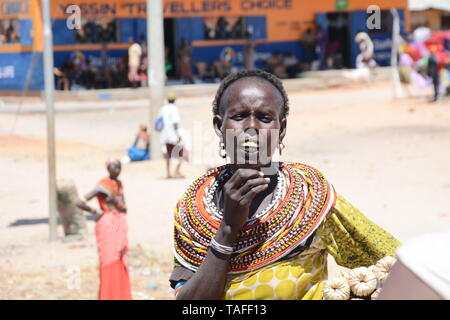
14, 7
7, 72
178, 8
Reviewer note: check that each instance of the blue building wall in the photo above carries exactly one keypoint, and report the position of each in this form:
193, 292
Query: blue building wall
21, 71
263, 52
62, 35
93, 55
26, 26
190, 29
382, 41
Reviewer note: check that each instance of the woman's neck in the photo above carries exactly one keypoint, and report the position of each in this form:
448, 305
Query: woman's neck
268, 170
264, 198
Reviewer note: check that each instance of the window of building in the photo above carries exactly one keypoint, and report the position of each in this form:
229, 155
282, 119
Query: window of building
445, 22
9, 31
98, 31
225, 28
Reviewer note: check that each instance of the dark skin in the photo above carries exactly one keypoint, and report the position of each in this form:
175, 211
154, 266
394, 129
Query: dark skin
137, 139
114, 170
248, 105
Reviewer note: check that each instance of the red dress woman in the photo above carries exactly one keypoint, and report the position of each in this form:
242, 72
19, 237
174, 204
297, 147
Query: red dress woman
111, 231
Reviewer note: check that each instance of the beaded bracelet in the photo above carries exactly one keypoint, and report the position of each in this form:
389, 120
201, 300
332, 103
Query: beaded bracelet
221, 248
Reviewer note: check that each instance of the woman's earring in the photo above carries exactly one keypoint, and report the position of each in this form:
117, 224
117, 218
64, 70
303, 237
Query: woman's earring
281, 146
222, 151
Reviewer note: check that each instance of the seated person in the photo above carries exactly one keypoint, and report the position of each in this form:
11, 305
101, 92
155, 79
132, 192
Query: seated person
61, 79
291, 64
140, 150
204, 70
276, 65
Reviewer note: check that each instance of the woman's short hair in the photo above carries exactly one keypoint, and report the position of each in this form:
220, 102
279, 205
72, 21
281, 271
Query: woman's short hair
254, 73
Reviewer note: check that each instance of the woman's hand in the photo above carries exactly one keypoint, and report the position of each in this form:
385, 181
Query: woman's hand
111, 200
98, 214
209, 280
82, 203
117, 203
239, 193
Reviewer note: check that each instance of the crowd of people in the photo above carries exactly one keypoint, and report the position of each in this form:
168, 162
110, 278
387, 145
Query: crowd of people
424, 60
282, 65
113, 72
79, 71
320, 52
128, 71
131, 69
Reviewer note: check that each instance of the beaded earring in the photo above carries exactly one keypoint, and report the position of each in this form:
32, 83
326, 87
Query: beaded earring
222, 151
281, 147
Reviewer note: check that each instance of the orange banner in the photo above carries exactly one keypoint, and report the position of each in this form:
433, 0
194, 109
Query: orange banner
286, 19
10, 9
173, 8
201, 8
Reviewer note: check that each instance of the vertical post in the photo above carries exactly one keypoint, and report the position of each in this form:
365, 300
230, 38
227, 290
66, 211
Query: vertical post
394, 50
156, 73
49, 87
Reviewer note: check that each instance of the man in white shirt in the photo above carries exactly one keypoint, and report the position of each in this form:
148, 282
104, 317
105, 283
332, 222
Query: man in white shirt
134, 61
170, 136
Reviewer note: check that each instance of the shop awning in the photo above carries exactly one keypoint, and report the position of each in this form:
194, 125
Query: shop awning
420, 5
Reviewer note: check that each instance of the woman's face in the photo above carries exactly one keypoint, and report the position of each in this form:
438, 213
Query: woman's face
251, 123
114, 169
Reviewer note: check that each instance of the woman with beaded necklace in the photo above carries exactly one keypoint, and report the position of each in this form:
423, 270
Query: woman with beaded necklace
257, 228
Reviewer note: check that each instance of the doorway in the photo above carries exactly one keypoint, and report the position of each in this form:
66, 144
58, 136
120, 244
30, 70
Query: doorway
170, 48
338, 51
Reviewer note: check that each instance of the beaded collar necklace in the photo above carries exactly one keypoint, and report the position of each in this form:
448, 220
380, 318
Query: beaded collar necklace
279, 192
303, 198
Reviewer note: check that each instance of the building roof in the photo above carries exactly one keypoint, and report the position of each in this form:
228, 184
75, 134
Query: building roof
419, 5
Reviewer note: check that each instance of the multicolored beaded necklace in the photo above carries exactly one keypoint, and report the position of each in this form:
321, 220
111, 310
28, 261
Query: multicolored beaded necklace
302, 198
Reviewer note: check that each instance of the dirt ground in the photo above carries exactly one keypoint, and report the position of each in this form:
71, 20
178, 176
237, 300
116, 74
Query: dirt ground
389, 158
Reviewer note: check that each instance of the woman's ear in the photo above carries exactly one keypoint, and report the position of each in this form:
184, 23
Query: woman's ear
217, 123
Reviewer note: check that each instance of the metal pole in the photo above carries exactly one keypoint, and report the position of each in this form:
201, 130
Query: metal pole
49, 87
394, 51
156, 73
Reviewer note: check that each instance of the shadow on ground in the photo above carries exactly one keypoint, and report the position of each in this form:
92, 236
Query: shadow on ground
28, 222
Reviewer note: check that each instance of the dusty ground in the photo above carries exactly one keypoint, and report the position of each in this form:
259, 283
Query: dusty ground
389, 158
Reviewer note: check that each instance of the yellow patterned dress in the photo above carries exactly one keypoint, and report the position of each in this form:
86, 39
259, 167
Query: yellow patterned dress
332, 225
346, 234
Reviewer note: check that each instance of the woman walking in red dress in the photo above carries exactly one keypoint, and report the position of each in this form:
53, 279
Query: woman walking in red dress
111, 231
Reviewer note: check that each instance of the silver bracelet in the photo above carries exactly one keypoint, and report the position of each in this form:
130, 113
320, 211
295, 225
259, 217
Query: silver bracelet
221, 248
